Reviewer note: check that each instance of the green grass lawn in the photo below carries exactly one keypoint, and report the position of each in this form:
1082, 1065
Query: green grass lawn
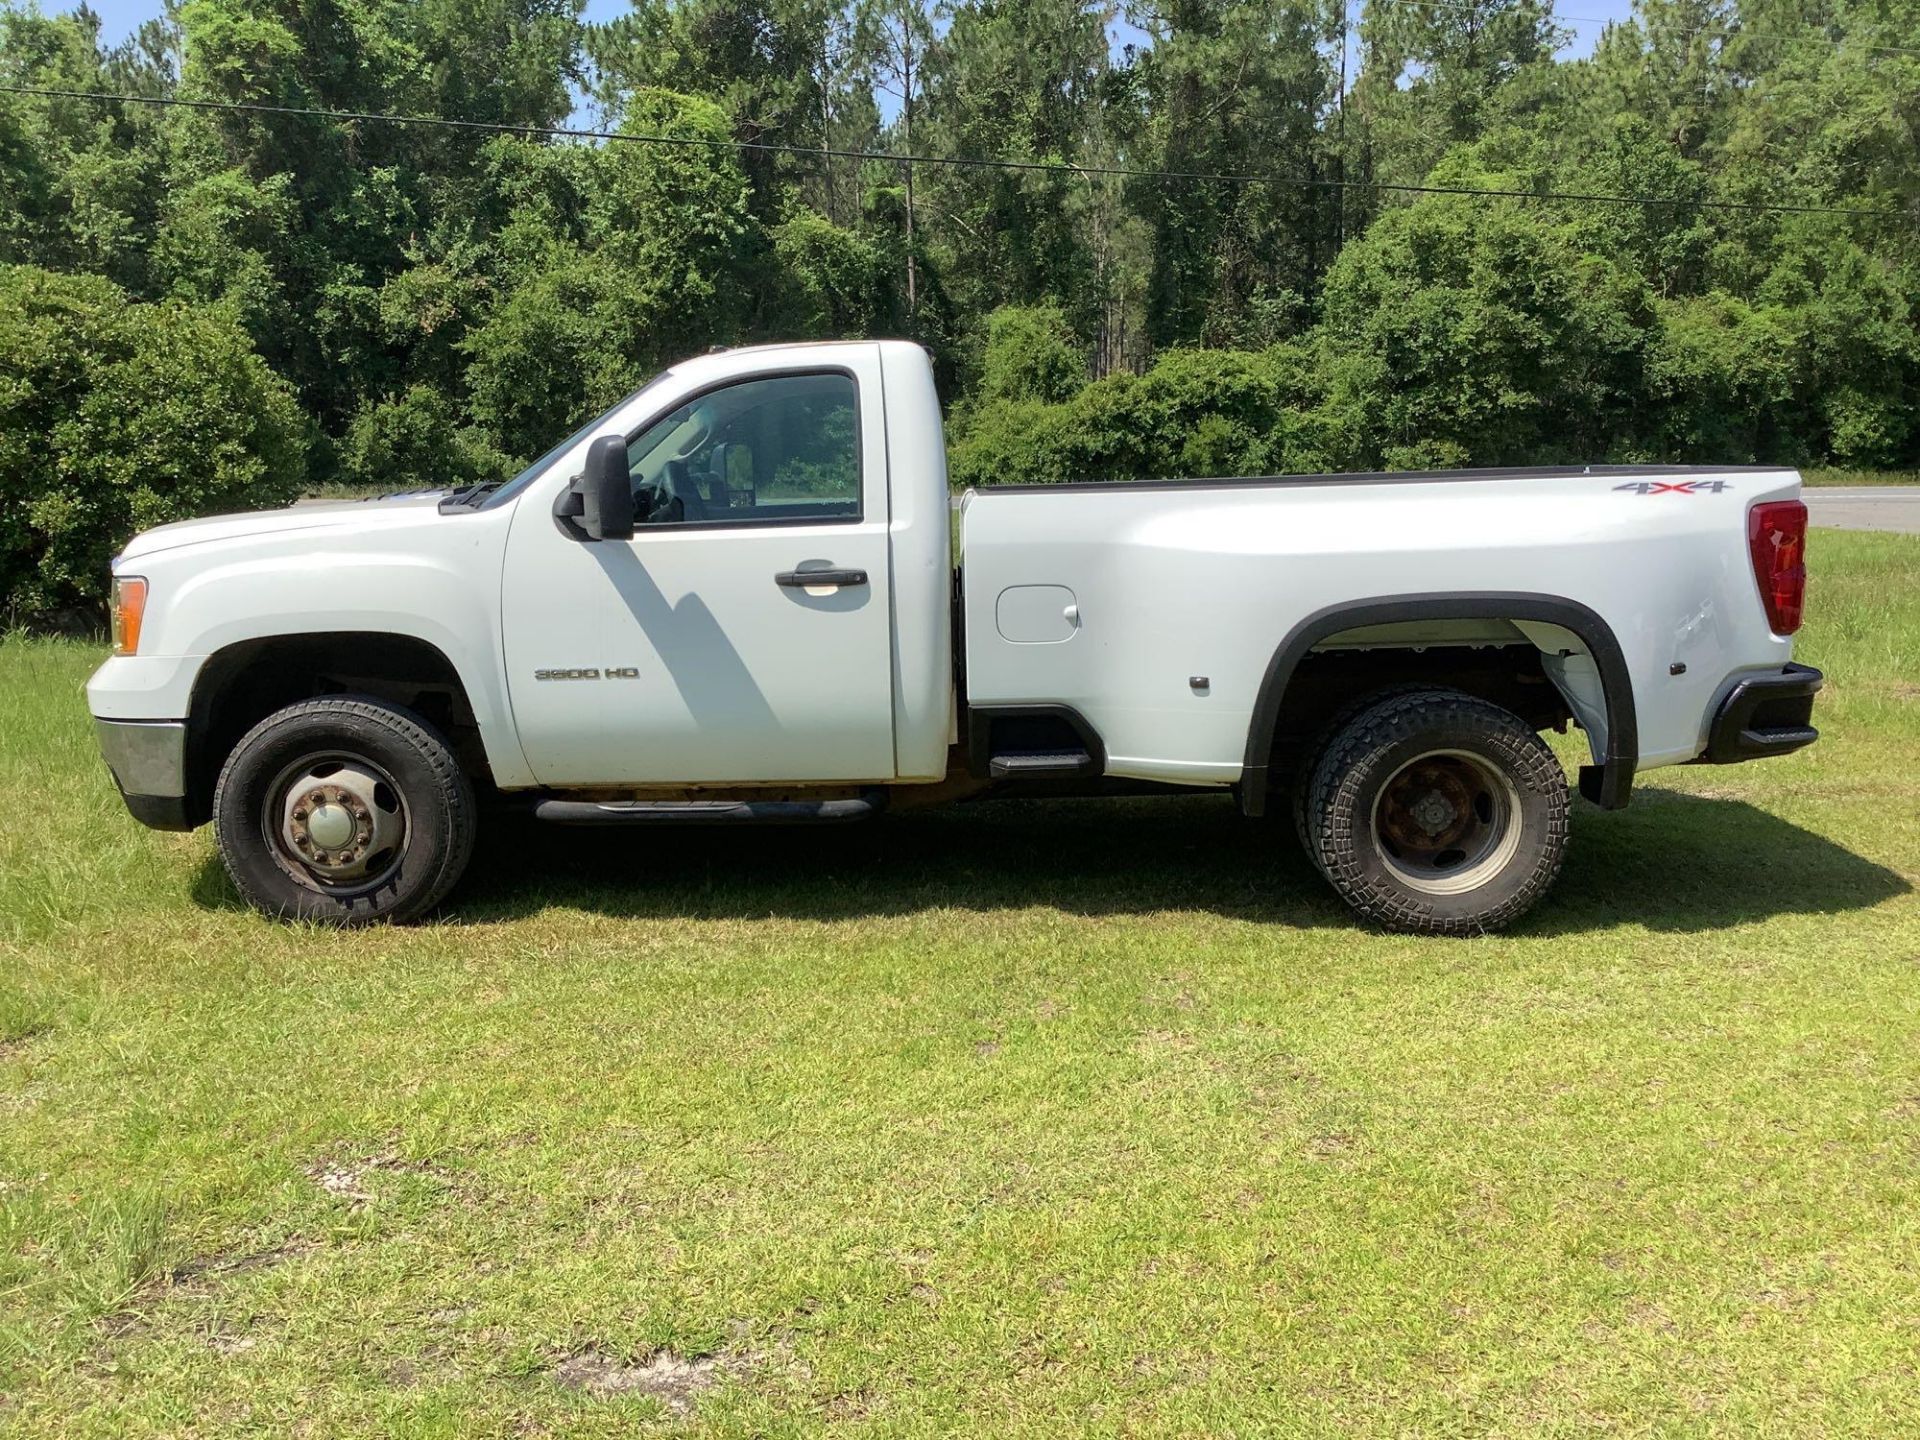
1098, 1118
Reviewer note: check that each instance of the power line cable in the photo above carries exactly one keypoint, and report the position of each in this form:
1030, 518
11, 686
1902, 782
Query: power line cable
1054, 167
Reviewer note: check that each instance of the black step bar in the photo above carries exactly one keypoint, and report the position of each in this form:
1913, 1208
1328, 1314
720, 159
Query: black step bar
711, 812
1763, 715
1040, 764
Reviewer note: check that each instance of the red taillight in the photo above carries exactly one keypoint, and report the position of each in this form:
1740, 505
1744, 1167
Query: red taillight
1777, 540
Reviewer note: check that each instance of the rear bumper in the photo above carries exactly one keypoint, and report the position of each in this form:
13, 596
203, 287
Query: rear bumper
148, 759
1764, 715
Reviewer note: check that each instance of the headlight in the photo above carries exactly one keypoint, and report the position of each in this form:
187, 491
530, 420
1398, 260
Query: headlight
128, 604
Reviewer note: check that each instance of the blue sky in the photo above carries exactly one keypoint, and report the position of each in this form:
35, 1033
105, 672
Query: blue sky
120, 18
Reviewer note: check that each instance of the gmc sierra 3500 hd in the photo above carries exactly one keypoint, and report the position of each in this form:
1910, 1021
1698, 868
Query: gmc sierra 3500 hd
732, 598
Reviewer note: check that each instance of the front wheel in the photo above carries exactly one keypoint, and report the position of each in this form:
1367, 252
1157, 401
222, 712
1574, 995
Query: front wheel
343, 810
1439, 813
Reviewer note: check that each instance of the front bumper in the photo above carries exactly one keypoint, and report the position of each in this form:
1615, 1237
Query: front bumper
148, 759
1764, 715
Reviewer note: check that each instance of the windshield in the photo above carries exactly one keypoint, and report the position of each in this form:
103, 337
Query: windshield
533, 472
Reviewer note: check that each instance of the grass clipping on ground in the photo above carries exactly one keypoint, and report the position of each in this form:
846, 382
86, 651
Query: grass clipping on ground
1087, 1118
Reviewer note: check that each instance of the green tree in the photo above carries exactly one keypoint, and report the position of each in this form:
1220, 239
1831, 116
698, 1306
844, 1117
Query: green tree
1439, 75
1471, 332
1023, 82
1234, 90
116, 416
785, 72
80, 183
311, 218
612, 261
894, 39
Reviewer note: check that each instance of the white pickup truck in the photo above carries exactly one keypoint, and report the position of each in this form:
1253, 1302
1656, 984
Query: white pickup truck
733, 598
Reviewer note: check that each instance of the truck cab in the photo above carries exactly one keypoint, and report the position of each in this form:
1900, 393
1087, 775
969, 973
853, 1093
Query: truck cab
779, 613
733, 598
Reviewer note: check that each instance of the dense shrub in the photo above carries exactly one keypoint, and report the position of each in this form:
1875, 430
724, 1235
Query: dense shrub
116, 416
826, 282
1855, 352
1195, 412
1461, 332
414, 441
1719, 377
1031, 355
1464, 332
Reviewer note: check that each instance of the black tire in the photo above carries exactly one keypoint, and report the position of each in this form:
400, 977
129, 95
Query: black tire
413, 774
1438, 813
1310, 753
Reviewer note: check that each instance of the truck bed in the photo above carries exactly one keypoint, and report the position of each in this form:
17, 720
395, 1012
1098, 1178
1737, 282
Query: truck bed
1155, 611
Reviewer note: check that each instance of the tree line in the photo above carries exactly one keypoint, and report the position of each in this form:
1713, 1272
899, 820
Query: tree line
1237, 235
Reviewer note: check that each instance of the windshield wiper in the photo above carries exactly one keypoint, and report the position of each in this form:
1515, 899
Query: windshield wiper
468, 497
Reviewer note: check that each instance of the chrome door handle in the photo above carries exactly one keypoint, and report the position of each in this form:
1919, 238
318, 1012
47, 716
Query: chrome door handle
806, 579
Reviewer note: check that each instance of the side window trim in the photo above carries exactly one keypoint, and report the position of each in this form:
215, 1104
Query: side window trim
747, 519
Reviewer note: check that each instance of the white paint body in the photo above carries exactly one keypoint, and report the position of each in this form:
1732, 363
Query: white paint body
1107, 599
1172, 583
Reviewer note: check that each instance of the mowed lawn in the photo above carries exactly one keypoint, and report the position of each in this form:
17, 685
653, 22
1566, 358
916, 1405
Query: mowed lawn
1096, 1118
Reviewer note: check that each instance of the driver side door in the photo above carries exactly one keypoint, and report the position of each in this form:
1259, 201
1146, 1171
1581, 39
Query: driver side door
699, 651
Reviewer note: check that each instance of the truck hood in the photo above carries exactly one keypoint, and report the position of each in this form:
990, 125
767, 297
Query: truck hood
319, 515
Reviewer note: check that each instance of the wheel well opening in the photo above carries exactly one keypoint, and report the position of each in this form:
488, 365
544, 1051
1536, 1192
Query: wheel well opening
1334, 677
1503, 646
244, 683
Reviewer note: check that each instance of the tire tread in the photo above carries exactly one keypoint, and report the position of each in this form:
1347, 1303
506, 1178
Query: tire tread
1333, 800
455, 792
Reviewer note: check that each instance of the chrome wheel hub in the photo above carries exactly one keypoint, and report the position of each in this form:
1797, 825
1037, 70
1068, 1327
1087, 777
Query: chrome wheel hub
331, 826
339, 820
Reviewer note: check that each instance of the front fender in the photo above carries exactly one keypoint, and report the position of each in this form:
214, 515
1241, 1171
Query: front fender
436, 581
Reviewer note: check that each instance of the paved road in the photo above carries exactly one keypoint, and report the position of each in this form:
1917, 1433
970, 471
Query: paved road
1866, 507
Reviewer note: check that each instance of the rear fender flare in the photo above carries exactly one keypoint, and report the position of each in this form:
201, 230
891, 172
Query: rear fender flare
1608, 785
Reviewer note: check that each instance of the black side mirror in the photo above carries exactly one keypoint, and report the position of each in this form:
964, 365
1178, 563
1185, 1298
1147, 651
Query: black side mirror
606, 491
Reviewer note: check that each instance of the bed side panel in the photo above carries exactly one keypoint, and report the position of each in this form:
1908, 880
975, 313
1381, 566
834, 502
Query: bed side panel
1170, 585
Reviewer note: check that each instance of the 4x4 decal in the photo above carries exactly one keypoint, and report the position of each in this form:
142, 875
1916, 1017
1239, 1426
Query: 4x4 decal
1675, 487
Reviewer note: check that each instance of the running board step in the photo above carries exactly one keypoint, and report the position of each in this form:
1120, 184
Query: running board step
1039, 764
709, 812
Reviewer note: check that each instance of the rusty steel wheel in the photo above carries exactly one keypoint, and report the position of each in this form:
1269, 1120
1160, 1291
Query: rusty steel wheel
1437, 812
336, 821
1446, 821
344, 809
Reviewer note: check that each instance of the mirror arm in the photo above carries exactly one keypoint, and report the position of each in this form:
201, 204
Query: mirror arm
599, 504
568, 509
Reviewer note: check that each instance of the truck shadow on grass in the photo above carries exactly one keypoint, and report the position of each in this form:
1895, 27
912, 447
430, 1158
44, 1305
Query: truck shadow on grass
1672, 862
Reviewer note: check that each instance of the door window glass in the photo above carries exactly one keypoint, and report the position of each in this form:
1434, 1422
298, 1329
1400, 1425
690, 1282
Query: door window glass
783, 448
